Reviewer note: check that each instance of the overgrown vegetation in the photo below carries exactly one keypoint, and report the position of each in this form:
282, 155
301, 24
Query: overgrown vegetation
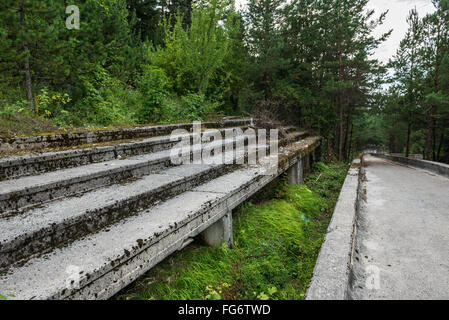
276, 246
148, 61
309, 62
113, 70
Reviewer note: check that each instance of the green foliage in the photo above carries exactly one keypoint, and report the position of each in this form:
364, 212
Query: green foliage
153, 87
306, 62
197, 107
51, 104
413, 115
191, 56
275, 248
130, 61
314, 69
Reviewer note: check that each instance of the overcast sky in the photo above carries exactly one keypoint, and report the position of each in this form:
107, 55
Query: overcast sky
398, 11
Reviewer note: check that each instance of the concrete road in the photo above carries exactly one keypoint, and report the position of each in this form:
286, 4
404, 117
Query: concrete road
402, 241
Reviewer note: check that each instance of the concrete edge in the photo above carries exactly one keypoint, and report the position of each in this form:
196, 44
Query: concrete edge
331, 275
77, 138
435, 167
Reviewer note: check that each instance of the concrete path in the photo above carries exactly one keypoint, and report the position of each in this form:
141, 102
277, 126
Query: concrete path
402, 242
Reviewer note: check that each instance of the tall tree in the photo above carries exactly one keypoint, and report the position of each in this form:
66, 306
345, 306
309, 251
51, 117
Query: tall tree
436, 40
406, 64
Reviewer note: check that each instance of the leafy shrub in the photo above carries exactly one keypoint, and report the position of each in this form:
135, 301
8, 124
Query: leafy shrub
197, 107
106, 101
153, 87
51, 104
7, 109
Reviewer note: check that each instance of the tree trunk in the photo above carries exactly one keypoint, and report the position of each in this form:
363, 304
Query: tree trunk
433, 143
440, 144
340, 104
348, 156
429, 132
28, 84
348, 125
433, 110
200, 85
340, 100
409, 131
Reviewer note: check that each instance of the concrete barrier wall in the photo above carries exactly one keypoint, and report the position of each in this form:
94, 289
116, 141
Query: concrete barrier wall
437, 167
412, 156
331, 275
79, 138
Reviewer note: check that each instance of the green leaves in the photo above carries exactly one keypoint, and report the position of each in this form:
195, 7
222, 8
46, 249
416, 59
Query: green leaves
192, 56
417, 105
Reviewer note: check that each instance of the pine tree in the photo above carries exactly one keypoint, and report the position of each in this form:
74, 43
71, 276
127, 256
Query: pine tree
406, 64
436, 39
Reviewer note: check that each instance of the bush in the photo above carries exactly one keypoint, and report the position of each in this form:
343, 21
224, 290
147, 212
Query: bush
51, 104
153, 87
197, 107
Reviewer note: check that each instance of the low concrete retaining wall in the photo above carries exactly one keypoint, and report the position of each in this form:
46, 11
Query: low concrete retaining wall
437, 167
79, 138
412, 156
331, 275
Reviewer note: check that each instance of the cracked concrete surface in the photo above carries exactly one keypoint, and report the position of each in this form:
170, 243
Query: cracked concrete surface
401, 246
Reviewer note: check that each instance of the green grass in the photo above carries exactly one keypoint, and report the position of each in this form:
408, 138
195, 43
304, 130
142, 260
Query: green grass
276, 245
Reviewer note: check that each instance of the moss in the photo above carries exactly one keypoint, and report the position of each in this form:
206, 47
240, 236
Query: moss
16, 125
276, 246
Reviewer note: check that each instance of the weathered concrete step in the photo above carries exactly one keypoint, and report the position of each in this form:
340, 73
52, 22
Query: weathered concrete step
99, 265
103, 263
56, 223
34, 230
25, 191
72, 139
13, 167
293, 136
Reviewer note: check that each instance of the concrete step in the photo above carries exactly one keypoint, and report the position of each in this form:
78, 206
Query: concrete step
49, 225
18, 166
113, 230
99, 265
36, 229
78, 138
19, 193
293, 136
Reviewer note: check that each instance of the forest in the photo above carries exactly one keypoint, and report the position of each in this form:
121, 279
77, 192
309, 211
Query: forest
307, 63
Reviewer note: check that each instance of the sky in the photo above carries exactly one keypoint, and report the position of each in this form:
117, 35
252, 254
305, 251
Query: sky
396, 20
398, 12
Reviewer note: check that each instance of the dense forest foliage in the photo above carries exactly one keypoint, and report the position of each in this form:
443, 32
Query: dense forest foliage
305, 62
